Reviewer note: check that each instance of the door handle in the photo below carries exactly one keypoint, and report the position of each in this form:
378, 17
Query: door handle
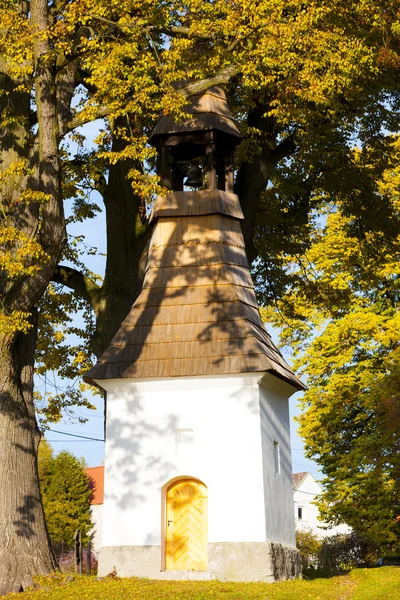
169, 523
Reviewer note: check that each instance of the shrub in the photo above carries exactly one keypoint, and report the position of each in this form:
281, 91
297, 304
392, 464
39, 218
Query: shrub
309, 546
344, 551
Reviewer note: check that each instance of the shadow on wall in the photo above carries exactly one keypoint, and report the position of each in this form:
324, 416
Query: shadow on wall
196, 315
277, 466
126, 443
197, 308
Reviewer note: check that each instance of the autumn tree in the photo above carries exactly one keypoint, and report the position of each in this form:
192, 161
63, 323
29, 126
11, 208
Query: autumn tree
302, 78
340, 314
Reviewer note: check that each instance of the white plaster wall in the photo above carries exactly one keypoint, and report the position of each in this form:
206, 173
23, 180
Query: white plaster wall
278, 487
304, 496
141, 455
97, 530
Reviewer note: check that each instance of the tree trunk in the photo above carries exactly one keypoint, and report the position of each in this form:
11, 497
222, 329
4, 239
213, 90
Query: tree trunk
253, 176
24, 543
25, 548
127, 236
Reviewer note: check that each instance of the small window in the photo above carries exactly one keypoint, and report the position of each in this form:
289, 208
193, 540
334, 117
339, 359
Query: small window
277, 457
300, 513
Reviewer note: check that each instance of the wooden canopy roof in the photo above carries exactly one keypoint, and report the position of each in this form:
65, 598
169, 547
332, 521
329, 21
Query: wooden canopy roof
197, 313
209, 112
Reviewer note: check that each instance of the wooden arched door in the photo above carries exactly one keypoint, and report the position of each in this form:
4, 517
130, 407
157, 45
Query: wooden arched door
186, 526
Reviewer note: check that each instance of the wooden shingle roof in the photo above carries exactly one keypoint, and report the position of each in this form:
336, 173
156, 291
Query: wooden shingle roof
197, 313
209, 112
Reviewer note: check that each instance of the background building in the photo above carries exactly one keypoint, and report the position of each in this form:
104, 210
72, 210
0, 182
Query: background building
96, 475
305, 492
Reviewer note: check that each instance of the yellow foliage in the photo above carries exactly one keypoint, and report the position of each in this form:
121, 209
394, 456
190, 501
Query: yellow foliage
27, 196
14, 172
340, 314
21, 255
16, 321
16, 49
299, 60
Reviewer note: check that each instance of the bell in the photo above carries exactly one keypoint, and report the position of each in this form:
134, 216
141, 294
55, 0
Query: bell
194, 177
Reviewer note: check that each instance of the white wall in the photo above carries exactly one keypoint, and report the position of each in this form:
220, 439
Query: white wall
96, 511
226, 454
304, 497
278, 488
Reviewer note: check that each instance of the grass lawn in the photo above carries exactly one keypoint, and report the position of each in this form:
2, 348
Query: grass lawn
360, 584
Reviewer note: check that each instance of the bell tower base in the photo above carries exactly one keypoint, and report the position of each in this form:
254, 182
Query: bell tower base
227, 561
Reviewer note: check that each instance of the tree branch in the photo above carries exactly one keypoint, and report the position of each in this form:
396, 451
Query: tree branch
57, 7
196, 87
173, 30
285, 148
65, 88
79, 118
26, 292
79, 283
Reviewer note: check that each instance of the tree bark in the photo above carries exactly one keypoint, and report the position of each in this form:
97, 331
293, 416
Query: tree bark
25, 548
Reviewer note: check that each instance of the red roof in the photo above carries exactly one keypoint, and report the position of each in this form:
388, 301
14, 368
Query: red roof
96, 485
298, 478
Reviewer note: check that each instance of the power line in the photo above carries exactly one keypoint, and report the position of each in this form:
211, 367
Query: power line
73, 441
302, 464
87, 414
83, 437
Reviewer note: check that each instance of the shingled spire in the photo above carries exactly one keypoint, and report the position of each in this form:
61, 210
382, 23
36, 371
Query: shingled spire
197, 312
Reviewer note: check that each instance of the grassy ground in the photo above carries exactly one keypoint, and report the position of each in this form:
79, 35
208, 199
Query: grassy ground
360, 584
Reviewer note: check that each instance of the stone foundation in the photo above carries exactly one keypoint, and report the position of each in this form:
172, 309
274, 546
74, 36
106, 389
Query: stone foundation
285, 562
227, 561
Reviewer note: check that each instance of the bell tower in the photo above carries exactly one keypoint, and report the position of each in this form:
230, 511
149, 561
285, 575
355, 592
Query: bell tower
198, 479
198, 152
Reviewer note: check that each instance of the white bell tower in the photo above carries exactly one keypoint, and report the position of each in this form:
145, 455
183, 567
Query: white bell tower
198, 479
